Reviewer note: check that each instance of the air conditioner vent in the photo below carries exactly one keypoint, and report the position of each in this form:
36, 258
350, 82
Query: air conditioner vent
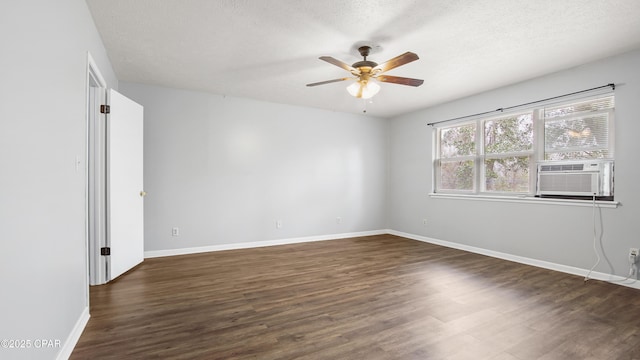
581, 183
562, 167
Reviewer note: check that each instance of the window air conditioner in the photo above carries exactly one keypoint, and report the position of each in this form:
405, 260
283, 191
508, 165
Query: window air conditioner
575, 178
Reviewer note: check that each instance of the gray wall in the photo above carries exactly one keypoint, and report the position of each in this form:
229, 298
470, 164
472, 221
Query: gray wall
43, 252
553, 233
224, 169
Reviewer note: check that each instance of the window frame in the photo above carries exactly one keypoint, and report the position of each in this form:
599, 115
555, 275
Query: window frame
438, 161
530, 153
536, 154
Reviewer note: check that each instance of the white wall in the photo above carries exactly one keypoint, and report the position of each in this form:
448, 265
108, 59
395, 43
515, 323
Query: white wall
224, 169
557, 234
43, 291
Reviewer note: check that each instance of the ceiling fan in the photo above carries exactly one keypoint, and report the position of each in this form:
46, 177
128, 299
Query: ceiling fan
365, 71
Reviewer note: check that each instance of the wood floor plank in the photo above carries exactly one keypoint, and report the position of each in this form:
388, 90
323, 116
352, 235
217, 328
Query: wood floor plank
376, 297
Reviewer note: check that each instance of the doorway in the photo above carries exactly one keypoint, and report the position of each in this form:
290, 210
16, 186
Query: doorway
114, 181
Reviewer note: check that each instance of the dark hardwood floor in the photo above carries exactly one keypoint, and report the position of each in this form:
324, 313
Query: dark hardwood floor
377, 297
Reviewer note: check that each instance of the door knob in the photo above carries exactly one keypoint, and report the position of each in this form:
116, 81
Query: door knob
143, 193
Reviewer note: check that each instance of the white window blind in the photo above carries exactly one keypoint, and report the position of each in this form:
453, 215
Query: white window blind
579, 130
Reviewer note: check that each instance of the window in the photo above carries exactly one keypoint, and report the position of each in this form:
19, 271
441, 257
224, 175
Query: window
578, 131
508, 149
498, 155
457, 156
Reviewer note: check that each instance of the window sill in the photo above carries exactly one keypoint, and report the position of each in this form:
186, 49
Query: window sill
527, 199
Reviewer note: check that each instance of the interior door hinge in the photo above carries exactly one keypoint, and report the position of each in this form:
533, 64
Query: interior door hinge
105, 251
105, 109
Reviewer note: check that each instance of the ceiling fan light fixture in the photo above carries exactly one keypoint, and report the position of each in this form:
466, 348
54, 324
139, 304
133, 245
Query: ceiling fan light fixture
365, 71
363, 90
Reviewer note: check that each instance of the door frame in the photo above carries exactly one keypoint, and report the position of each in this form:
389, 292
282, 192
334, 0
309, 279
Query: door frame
95, 176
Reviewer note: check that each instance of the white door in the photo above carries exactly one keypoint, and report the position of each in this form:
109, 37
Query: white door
125, 195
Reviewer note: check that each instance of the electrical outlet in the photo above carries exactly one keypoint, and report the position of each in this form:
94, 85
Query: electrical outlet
424, 222
338, 220
633, 252
278, 224
175, 231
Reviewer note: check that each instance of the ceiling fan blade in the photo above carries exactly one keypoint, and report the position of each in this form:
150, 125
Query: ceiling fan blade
328, 81
395, 62
340, 64
399, 80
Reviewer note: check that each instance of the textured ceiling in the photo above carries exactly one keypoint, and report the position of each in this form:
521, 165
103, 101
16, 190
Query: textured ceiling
268, 50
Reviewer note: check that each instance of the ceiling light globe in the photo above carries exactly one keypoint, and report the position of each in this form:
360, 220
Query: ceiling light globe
370, 89
354, 88
363, 90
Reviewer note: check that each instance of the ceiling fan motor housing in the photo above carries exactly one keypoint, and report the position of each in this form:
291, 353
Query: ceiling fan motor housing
364, 64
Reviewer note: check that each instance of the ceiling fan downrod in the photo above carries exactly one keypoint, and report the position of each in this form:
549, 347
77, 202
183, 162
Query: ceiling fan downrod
364, 52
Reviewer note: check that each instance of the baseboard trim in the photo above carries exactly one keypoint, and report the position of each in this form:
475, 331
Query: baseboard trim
614, 279
255, 244
74, 336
